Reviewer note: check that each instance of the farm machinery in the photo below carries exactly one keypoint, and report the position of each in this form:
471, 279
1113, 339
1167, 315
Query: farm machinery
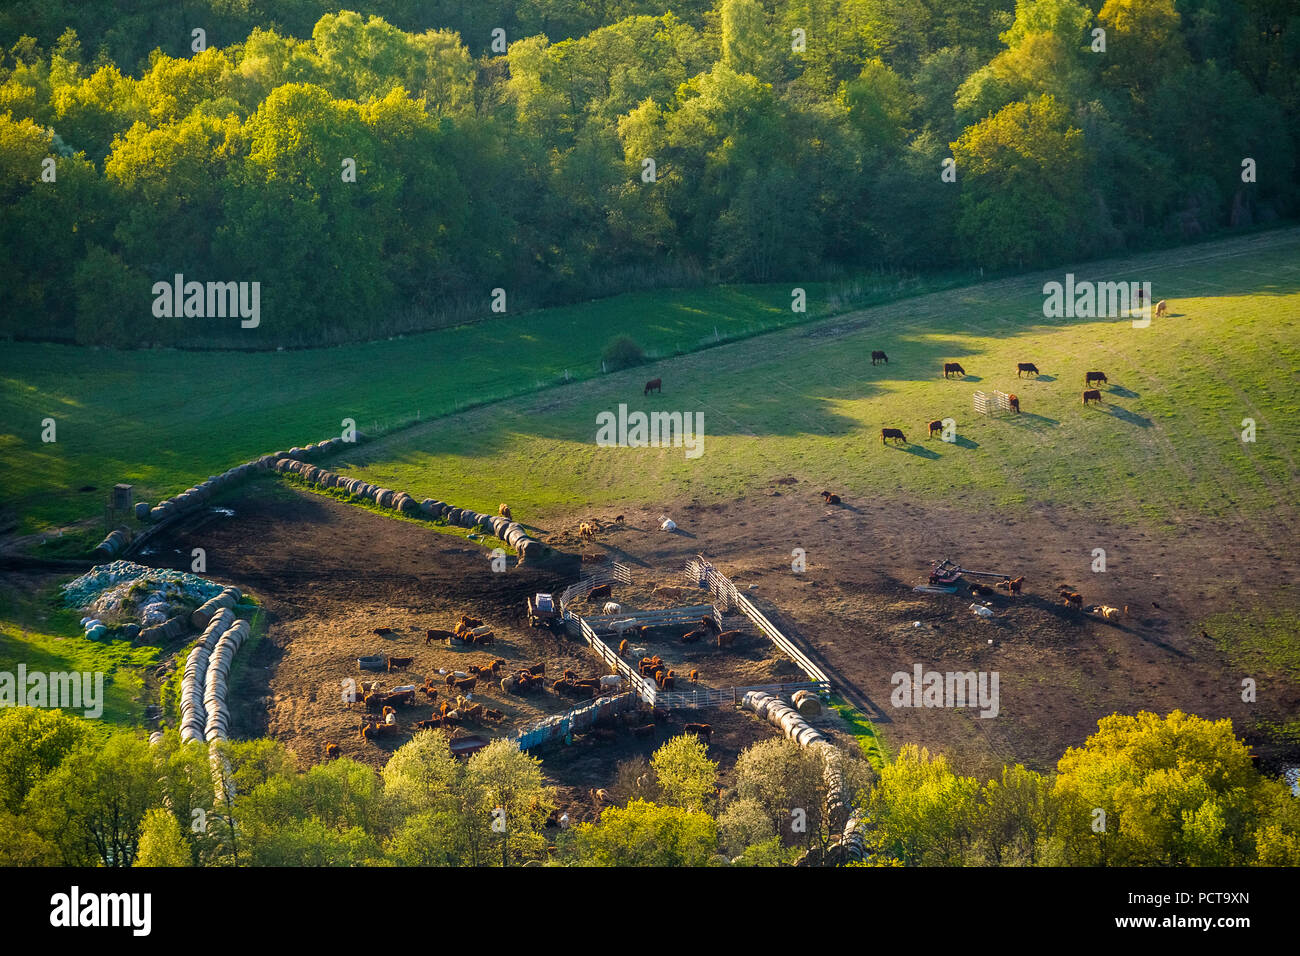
945, 577
542, 611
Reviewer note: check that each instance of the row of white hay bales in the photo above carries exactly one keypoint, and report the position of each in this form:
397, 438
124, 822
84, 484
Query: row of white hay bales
791, 723
204, 709
509, 531
191, 498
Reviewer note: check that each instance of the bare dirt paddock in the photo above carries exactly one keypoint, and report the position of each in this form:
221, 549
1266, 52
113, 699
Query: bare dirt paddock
329, 574
854, 611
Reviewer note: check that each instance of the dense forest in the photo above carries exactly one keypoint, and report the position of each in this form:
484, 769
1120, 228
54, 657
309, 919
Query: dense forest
383, 171
1142, 791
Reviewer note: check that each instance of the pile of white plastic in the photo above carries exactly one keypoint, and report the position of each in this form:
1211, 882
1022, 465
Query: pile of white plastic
103, 591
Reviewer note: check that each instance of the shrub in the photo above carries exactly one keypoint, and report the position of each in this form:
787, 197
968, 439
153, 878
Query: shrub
622, 353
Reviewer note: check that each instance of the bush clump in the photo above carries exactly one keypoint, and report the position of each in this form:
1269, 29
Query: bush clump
622, 353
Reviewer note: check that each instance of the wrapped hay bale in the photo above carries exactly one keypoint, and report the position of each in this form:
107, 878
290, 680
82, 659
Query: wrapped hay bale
159, 512
406, 504
432, 508
204, 613
531, 550
807, 703
385, 498
453, 516
114, 542
141, 511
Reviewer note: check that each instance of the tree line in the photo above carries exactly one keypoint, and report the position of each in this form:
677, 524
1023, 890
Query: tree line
1142, 791
382, 172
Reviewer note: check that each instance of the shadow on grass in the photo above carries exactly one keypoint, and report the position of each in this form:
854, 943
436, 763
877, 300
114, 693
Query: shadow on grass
1122, 392
1030, 420
920, 451
1124, 415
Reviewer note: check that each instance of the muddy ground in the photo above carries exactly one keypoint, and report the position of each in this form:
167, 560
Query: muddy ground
329, 574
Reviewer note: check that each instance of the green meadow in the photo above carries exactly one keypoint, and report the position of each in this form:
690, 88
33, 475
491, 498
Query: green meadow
499, 423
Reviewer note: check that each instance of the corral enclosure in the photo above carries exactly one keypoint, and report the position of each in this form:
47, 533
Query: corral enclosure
330, 575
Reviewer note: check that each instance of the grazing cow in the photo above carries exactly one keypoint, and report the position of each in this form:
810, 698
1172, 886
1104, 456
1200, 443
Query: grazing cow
400, 663
879, 356
892, 433
331, 751
488, 638
622, 647
668, 682
690, 637
654, 385
1029, 368
602, 591
952, 368
1162, 308
695, 677
430, 691
429, 724
1090, 377
586, 530
935, 426
618, 519
1014, 403
1092, 395
727, 638
1073, 599
830, 498
383, 630
504, 511
704, 731
466, 684
435, 634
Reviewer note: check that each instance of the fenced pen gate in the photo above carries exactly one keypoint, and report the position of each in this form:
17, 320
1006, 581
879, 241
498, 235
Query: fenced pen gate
991, 403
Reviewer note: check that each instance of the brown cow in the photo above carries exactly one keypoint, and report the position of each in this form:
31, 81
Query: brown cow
622, 647
1162, 308
727, 638
690, 637
709, 624
1027, 368
936, 426
383, 630
1090, 377
466, 684
704, 731
1073, 599
504, 511
952, 368
331, 751
879, 356
654, 385
537, 669
830, 498
695, 677
602, 591
1014, 403
895, 433
1092, 395
400, 663
434, 634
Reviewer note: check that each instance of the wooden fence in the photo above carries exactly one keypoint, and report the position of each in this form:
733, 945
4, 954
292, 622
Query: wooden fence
614, 573
720, 697
644, 689
663, 617
701, 572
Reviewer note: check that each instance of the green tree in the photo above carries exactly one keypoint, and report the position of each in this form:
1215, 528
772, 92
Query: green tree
161, 841
687, 777
642, 834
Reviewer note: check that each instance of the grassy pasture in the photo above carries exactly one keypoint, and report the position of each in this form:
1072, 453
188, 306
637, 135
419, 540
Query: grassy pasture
165, 419
1165, 446
803, 401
